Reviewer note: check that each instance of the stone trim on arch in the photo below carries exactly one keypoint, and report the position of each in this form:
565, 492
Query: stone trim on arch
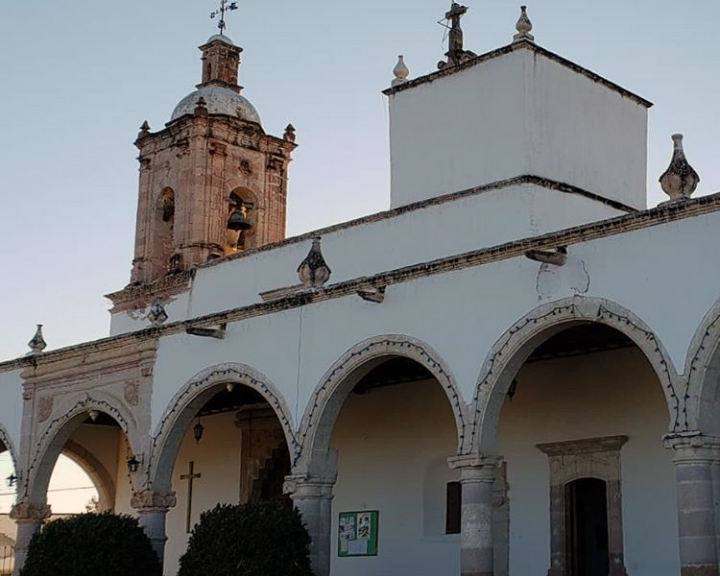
361, 355
512, 349
54, 430
168, 431
702, 371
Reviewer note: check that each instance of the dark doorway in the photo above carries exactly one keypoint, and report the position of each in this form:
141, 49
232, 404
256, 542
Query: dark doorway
587, 528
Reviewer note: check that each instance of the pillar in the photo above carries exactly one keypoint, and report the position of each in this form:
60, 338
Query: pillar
29, 517
477, 475
696, 460
152, 507
313, 499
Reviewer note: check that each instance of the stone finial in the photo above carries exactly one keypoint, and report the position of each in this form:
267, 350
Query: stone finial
37, 344
201, 107
400, 71
314, 271
523, 27
679, 181
144, 130
157, 314
289, 133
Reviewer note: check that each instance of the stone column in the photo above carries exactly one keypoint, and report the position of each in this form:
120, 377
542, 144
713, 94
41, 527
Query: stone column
477, 475
313, 499
152, 507
29, 517
696, 457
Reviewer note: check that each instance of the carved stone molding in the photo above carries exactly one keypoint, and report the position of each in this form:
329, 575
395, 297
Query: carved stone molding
573, 460
132, 392
153, 500
45, 407
30, 512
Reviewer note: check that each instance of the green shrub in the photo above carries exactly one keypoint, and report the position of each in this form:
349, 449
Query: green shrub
254, 539
91, 544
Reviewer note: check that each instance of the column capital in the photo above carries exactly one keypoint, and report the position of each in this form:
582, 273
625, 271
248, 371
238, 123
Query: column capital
693, 447
30, 512
153, 500
309, 487
461, 461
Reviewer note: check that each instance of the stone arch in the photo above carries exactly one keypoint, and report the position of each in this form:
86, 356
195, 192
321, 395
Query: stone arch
338, 382
55, 436
702, 370
192, 396
7, 442
99, 475
509, 353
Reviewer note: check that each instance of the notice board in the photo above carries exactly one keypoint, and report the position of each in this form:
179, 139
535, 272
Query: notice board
358, 533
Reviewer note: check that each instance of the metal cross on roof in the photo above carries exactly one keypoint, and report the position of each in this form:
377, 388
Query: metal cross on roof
225, 6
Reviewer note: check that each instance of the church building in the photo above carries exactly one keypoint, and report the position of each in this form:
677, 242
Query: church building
512, 371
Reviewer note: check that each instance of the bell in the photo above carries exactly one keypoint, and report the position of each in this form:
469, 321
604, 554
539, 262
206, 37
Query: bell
238, 220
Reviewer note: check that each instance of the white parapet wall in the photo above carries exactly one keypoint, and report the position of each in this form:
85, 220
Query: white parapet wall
517, 110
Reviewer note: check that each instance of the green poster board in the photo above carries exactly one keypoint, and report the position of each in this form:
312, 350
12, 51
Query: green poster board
358, 533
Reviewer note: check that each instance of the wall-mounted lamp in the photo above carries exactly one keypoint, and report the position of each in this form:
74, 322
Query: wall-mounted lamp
198, 430
11, 480
133, 464
94, 415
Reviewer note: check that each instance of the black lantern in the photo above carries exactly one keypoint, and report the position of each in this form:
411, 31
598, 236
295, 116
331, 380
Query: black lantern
11, 480
133, 464
198, 430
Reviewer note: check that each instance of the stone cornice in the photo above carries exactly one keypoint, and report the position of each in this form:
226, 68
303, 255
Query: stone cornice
520, 45
659, 215
584, 446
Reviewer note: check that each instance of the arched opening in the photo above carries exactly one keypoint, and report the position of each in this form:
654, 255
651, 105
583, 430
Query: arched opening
164, 226
393, 432
586, 402
241, 231
226, 446
85, 458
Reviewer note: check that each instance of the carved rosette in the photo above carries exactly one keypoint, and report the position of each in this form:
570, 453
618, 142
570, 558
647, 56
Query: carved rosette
30, 512
132, 392
45, 407
153, 500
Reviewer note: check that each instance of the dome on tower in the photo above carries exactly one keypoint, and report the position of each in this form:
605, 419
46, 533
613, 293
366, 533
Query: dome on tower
218, 100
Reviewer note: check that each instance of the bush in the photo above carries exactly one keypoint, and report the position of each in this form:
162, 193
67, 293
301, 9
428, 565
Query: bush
91, 544
254, 539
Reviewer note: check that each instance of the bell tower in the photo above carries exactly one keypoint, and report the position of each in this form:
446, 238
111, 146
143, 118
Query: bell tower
212, 182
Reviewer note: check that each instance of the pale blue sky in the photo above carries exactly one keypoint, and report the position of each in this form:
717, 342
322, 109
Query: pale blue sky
79, 77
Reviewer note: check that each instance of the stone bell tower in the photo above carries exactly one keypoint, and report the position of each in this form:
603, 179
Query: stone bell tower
212, 182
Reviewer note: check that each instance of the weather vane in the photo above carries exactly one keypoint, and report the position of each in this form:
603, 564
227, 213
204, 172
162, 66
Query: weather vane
225, 6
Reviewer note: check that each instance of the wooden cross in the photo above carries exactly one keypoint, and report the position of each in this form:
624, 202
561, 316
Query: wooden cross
190, 476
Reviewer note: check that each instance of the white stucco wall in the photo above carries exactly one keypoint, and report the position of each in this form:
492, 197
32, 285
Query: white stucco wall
519, 113
217, 460
605, 394
455, 227
392, 447
462, 314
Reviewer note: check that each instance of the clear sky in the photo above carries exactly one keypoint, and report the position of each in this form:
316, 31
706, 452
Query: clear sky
80, 77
